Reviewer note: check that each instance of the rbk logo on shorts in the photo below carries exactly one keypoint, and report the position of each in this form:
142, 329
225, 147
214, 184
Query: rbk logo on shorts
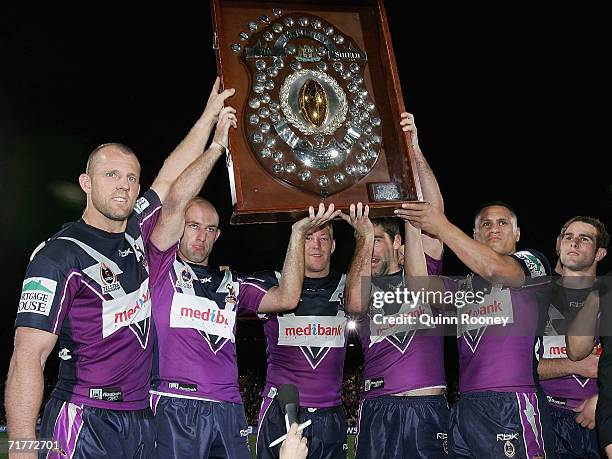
37, 295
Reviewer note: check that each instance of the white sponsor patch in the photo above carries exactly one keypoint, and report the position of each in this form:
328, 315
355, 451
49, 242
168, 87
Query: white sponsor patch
37, 295
141, 205
126, 310
495, 307
312, 331
554, 347
190, 311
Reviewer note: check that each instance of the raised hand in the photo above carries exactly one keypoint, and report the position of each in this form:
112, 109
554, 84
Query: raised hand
227, 119
315, 220
407, 124
216, 100
424, 216
358, 218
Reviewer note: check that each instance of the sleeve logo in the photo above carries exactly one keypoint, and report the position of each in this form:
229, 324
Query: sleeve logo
533, 263
141, 205
37, 295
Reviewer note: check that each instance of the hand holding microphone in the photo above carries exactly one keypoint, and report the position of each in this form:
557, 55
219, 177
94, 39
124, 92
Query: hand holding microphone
289, 399
294, 446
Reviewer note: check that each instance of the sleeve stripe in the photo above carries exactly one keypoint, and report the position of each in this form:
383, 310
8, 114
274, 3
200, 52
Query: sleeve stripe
256, 286
94, 290
59, 310
150, 215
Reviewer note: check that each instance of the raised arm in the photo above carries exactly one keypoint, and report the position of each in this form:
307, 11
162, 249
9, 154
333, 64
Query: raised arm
478, 257
171, 222
25, 382
358, 279
193, 144
580, 337
429, 184
286, 296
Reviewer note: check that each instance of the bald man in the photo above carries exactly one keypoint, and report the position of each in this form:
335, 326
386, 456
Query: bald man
88, 285
195, 395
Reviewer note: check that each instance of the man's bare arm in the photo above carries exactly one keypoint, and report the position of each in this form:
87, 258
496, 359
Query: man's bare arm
580, 337
194, 142
429, 184
557, 368
169, 228
358, 279
25, 382
287, 295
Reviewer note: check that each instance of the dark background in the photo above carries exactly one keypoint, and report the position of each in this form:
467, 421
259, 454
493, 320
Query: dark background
508, 104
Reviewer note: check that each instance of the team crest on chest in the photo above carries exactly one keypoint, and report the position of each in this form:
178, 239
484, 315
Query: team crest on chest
109, 279
231, 296
184, 279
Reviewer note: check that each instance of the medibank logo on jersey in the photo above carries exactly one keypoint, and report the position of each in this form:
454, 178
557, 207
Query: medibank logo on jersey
208, 315
191, 311
317, 331
554, 347
126, 310
131, 311
314, 330
37, 295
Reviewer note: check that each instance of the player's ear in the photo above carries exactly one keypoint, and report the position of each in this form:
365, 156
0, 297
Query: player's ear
85, 183
218, 234
601, 252
333, 245
397, 242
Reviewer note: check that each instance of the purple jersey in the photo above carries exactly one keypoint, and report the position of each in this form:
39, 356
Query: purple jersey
194, 310
503, 361
409, 360
307, 347
562, 304
91, 288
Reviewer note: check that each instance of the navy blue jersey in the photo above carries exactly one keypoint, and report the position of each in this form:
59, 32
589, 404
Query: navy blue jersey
91, 288
306, 346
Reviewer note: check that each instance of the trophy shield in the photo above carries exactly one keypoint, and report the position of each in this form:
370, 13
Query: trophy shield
318, 101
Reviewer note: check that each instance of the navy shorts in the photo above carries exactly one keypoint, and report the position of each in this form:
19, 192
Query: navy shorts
392, 427
85, 432
573, 440
326, 435
501, 424
188, 428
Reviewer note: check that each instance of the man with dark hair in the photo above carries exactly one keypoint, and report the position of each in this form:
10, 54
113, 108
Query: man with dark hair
571, 387
89, 286
403, 412
501, 410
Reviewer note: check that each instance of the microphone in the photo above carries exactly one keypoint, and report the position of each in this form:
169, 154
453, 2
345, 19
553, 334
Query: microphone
289, 399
